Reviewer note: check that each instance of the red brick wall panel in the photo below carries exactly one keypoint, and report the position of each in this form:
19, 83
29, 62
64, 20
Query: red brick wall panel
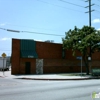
15, 56
96, 56
69, 54
62, 66
48, 50
22, 65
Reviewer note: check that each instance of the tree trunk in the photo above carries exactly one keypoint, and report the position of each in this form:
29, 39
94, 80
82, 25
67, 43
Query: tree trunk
86, 64
87, 69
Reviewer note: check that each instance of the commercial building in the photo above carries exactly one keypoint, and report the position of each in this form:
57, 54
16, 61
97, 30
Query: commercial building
34, 57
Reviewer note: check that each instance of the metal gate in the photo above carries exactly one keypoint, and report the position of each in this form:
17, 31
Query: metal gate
39, 66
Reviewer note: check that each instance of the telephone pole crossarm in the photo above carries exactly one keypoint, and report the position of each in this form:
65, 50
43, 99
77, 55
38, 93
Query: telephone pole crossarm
89, 6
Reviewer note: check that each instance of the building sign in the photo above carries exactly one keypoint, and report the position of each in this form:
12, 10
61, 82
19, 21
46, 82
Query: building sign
29, 56
79, 57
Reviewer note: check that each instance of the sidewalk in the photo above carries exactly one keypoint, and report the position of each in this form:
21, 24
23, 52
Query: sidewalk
7, 74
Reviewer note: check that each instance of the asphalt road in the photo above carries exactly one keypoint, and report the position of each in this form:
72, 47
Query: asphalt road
17, 89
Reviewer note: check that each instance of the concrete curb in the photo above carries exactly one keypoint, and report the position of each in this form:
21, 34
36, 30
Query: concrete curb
56, 79
3, 76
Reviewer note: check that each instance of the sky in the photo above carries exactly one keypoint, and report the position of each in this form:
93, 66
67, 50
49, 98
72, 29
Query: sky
43, 20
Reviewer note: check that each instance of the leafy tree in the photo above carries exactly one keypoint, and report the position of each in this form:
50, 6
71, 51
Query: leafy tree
86, 40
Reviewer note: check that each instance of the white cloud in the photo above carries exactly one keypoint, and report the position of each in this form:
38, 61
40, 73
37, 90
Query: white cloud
2, 24
98, 29
96, 21
38, 40
5, 39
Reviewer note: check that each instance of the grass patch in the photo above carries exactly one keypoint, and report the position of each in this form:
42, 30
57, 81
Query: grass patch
73, 74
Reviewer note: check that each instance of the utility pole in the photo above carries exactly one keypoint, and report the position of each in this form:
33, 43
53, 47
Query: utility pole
89, 6
90, 13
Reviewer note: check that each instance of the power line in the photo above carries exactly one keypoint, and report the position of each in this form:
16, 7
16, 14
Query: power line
34, 27
41, 33
60, 6
71, 3
95, 16
97, 5
17, 31
5, 50
97, 11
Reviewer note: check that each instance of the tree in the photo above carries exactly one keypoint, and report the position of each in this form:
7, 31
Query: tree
86, 40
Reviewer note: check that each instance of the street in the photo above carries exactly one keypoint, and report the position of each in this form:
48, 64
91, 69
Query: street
18, 89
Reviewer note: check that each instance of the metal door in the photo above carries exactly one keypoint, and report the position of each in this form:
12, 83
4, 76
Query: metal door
27, 68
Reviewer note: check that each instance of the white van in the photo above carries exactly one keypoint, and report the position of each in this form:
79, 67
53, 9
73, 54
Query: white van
3, 64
